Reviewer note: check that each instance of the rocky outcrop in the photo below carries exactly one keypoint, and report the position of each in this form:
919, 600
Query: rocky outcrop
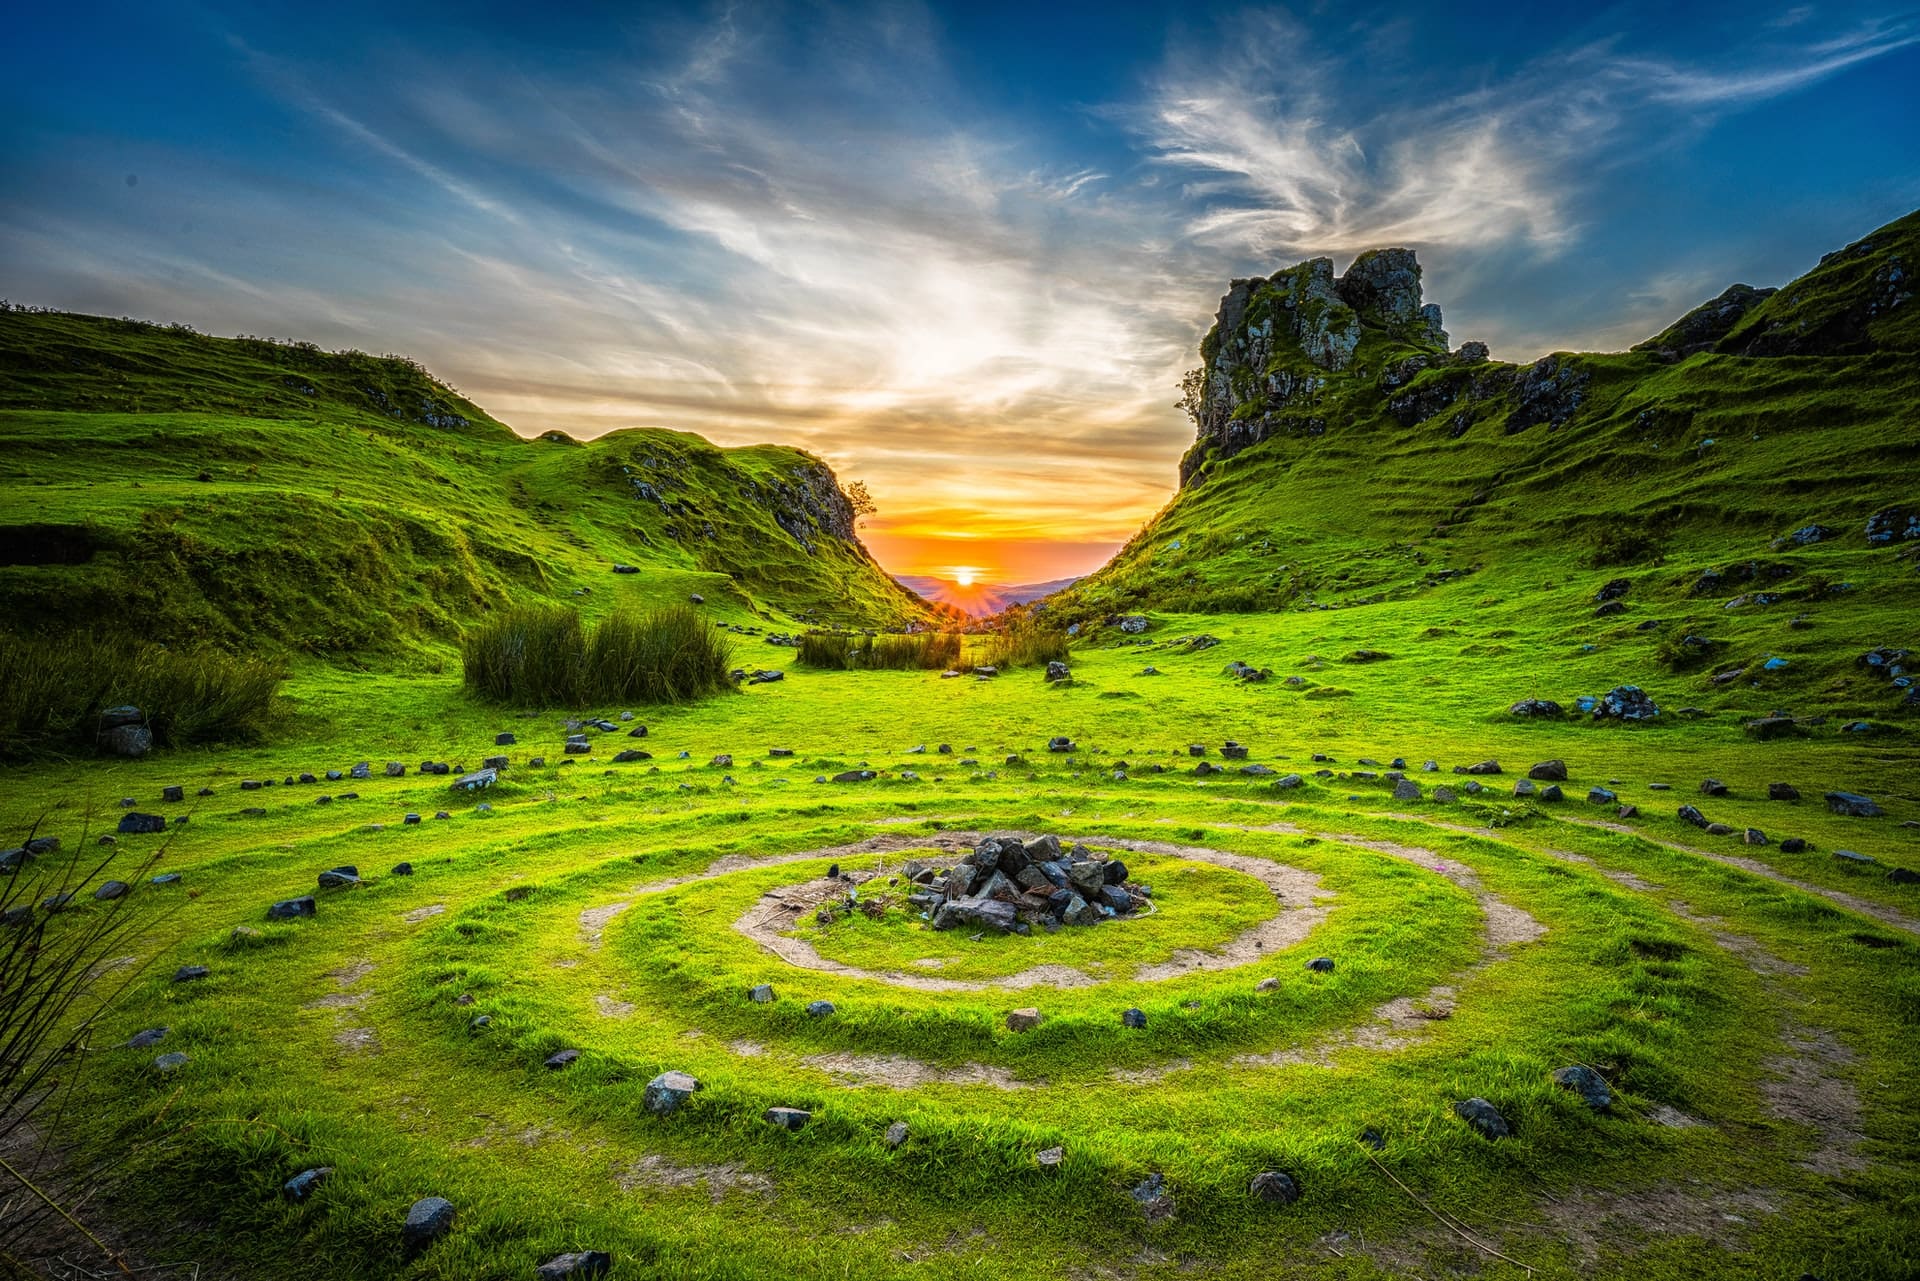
1284, 342
1704, 326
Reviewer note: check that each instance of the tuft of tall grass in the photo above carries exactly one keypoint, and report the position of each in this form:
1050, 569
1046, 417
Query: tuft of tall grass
64, 965
543, 656
1024, 644
842, 651
53, 689
530, 654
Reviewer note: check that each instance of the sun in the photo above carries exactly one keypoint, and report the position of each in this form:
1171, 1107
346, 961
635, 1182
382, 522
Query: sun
964, 576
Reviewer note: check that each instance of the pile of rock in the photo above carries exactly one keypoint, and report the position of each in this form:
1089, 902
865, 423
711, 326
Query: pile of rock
1012, 885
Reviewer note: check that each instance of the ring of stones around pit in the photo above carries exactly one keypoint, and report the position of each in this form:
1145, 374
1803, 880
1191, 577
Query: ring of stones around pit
1193, 989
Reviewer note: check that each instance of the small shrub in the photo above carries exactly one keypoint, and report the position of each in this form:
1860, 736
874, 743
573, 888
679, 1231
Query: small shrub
1023, 644
542, 656
53, 689
672, 655
841, 651
1622, 543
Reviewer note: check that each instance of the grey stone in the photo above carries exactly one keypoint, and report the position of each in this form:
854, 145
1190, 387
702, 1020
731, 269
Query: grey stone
111, 890
1554, 771
1321, 965
428, 1219
289, 909
896, 1135
306, 1183
580, 1263
1023, 1020
141, 824
560, 1059
762, 994
1589, 1084
170, 1062
1849, 804
188, 973
1484, 1118
336, 878
820, 1009
1155, 1202
1133, 1018
1274, 1187
788, 1118
666, 1092
147, 1039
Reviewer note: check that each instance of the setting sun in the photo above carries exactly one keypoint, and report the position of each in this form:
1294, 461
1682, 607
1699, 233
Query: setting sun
963, 575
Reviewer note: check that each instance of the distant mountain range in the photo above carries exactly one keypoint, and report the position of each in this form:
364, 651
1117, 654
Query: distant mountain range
980, 599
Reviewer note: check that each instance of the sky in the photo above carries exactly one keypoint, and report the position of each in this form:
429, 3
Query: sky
963, 252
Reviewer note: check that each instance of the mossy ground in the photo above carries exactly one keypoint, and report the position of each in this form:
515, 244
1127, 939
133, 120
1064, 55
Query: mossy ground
341, 1041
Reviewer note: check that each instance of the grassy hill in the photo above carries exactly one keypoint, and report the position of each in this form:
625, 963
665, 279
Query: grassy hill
261, 493
1506, 497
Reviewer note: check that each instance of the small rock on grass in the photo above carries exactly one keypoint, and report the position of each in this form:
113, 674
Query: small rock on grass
1154, 1200
896, 1134
666, 1092
1275, 1187
1589, 1084
143, 1040
1484, 1118
1023, 1020
788, 1118
581, 1263
1848, 804
1133, 1018
306, 1183
762, 994
1321, 965
188, 973
1050, 1158
428, 1219
170, 1062
820, 1009
561, 1059
1267, 985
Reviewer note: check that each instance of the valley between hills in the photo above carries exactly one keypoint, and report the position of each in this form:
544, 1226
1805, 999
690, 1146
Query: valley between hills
1472, 830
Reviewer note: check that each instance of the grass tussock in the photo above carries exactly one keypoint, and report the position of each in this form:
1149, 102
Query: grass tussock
840, 651
544, 656
1024, 644
53, 689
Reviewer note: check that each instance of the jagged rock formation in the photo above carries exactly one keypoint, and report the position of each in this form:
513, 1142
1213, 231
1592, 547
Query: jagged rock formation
1278, 341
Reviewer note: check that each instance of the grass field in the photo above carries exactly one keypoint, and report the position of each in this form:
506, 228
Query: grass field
1358, 605
1727, 995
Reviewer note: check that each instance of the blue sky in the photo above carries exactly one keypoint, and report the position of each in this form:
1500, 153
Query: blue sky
961, 251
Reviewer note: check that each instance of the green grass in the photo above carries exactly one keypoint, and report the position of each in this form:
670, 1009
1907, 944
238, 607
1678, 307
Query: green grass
537, 656
845, 651
53, 691
587, 905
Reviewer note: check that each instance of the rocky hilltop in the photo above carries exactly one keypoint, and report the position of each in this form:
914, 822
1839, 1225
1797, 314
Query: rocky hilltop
1303, 350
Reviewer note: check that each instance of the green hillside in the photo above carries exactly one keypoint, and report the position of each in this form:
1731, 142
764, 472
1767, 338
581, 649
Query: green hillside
260, 493
1753, 473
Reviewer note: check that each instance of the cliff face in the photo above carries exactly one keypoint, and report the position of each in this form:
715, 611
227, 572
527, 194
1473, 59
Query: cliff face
1279, 341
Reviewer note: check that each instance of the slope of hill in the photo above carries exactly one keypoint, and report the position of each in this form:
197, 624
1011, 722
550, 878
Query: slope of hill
251, 491
1752, 474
